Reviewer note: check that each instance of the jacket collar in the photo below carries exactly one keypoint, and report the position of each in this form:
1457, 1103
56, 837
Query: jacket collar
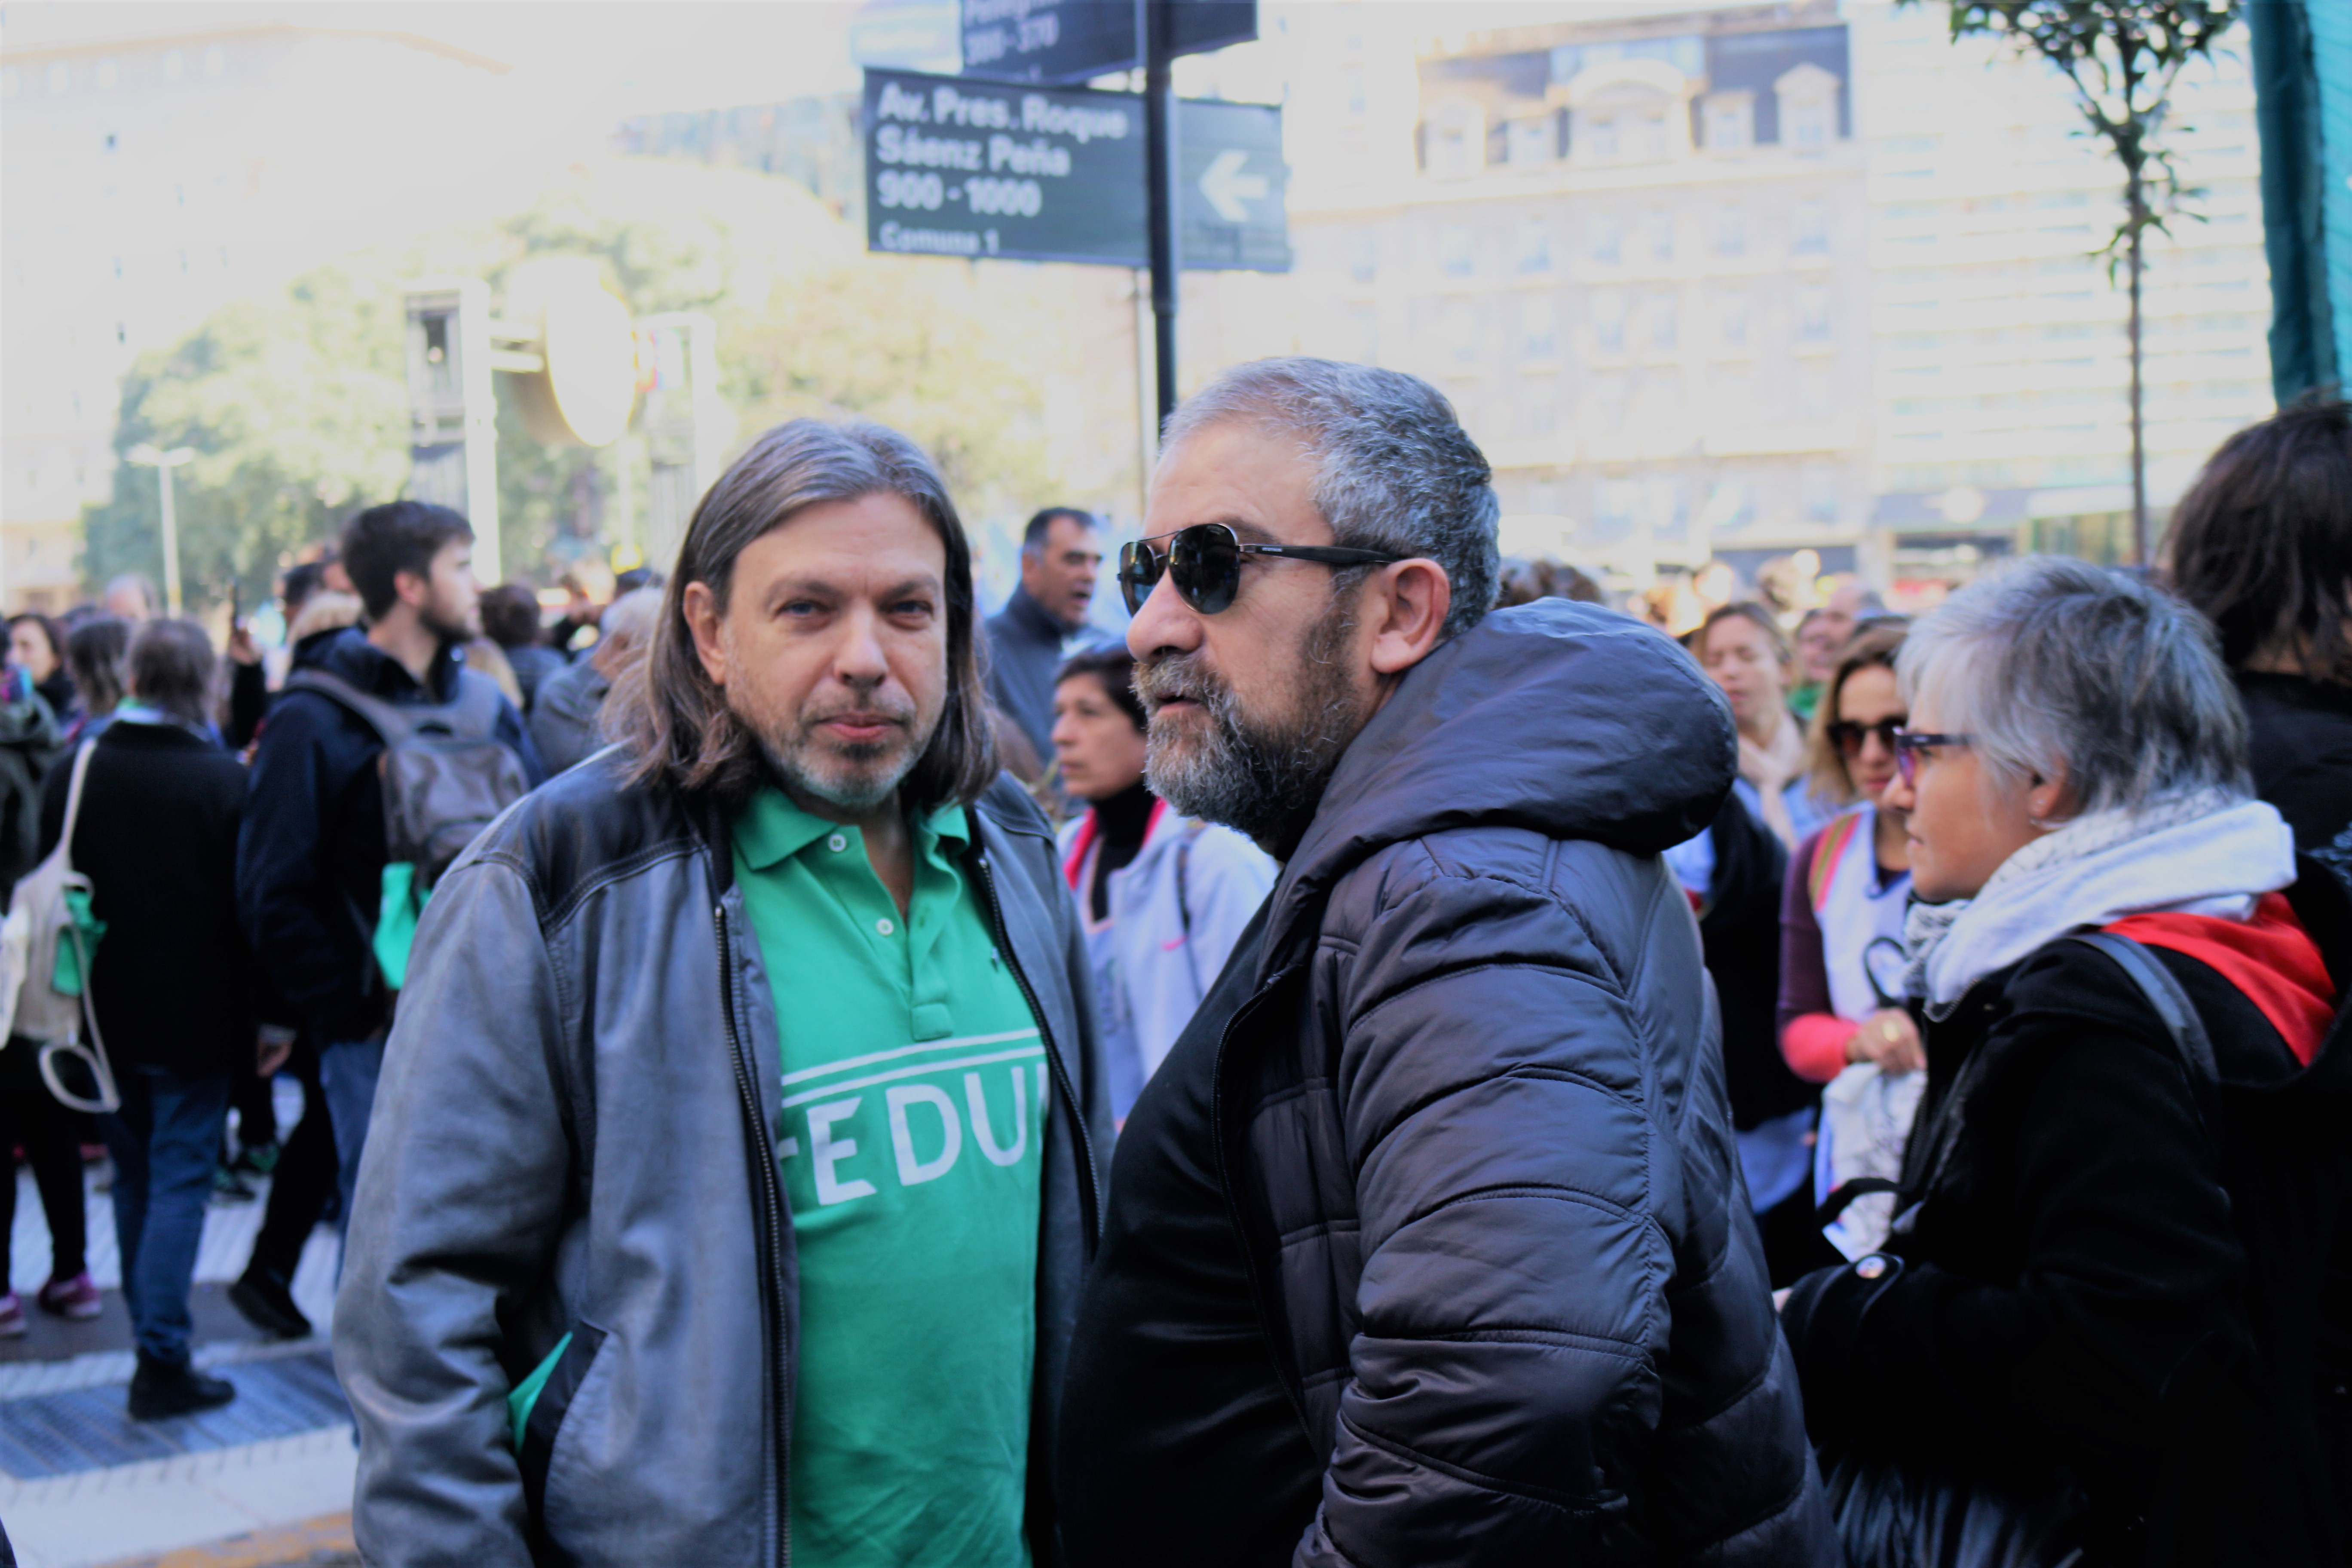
1031, 616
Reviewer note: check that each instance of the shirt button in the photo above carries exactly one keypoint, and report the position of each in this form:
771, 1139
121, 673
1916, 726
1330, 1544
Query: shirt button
838, 843
884, 927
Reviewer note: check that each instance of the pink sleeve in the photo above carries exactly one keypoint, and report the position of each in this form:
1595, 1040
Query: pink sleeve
1814, 1045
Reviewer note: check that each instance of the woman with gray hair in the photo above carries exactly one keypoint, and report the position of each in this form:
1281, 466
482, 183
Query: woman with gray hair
2096, 1323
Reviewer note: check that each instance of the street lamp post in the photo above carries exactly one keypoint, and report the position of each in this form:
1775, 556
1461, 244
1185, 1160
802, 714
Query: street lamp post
147, 457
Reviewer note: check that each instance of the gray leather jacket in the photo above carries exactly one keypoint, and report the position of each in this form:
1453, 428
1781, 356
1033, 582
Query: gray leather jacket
575, 1134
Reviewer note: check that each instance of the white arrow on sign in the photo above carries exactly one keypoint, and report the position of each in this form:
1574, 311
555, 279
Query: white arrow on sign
1227, 187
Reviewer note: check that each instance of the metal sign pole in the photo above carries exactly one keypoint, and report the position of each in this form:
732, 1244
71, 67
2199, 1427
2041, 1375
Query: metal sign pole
1160, 163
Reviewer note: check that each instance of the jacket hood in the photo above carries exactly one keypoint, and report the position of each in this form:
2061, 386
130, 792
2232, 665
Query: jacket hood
1561, 717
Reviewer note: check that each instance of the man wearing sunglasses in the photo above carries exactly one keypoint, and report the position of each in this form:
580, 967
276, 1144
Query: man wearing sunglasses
1425, 1244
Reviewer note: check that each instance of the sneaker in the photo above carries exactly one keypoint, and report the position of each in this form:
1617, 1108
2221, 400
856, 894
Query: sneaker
12, 1318
228, 1187
261, 1295
161, 1390
77, 1298
256, 1160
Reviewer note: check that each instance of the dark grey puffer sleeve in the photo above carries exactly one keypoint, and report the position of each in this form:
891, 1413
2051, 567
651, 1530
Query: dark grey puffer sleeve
1564, 1348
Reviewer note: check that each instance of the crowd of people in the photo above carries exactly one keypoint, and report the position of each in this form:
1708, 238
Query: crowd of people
1398, 1061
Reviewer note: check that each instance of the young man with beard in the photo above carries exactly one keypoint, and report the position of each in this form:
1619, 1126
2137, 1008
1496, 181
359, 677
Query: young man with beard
1426, 1245
735, 1168
311, 847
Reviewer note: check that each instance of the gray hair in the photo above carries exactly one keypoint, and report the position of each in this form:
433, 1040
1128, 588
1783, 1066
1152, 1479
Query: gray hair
632, 614
2052, 666
1395, 469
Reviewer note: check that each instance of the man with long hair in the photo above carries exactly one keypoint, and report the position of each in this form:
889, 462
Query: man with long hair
735, 1164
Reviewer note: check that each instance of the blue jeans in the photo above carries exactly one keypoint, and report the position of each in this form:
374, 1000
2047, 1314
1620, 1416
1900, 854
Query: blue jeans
347, 1073
166, 1141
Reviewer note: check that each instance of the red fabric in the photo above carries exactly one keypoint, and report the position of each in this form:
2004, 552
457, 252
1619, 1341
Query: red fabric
1813, 1044
2271, 958
1073, 868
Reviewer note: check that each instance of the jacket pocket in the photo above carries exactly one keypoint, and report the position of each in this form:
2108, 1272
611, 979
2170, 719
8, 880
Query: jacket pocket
547, 1412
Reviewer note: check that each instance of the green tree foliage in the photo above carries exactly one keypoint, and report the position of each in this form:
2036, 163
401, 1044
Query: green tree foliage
2122, 58
297, 411
910, 343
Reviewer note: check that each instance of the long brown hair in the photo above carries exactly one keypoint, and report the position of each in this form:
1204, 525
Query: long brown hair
1873, 646
673, 721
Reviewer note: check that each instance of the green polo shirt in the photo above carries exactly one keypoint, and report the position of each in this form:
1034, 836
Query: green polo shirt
914, 1109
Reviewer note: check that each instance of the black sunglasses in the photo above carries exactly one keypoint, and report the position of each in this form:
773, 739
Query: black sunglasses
1205, 560
1848, 736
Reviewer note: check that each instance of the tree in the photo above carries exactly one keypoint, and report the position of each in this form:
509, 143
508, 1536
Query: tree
297, 411
2122, 58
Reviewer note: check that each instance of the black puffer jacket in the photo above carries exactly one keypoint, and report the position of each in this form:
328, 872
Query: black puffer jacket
1472, 1121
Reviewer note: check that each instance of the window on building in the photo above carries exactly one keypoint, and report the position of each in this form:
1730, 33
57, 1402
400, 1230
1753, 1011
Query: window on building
1455, 138
112, 141
1458, 325
1534, 246
121, 332
1664, 321
1729, 119
1806, 124
1616, 503
1660, 226
1813, 315
1363, 254
1607, 239
1363, 334
1731, 232
1649, 136
1596, 136
1818, 486
117, 269
1457, 253
1539, 326
175, 64
215, 60
1731, 317
1352, 87
1539, 412
184, 261
60, 76
1810, 233
1609, 321
106, 74
1530, 143
12, 81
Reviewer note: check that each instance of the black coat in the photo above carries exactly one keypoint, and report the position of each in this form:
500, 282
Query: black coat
2080, 1297
311, 857
1474, 1125
173, 982
2299, 746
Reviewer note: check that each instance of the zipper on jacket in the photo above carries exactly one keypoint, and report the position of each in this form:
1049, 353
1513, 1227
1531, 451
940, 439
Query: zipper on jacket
772, 1207
1089, 1198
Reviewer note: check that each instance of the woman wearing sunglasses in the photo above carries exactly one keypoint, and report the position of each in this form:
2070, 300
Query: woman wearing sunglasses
1842, 1018
2095, 1324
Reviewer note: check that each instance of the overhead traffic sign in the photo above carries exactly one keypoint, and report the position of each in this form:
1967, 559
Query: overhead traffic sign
1050, 41
959, 167
1229, 187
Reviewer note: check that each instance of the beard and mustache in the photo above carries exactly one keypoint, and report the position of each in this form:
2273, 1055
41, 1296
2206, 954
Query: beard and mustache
854, 777
1261, 775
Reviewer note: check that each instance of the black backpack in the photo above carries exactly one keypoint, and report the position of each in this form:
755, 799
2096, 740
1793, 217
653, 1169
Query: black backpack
446, 773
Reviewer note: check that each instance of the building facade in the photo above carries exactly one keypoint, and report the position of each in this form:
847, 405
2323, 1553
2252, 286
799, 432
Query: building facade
152, 179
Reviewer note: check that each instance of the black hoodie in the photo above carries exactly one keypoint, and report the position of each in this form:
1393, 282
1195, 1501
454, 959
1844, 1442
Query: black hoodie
310, 850
1470, 1125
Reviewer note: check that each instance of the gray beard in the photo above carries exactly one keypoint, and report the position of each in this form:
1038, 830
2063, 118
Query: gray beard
1261, 778
855, 779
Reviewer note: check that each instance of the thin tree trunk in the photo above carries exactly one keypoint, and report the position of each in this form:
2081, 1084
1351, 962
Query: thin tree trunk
2140, 556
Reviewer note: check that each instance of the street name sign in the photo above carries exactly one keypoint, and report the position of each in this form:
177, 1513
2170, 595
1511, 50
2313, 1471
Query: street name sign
959, 167
1050, 41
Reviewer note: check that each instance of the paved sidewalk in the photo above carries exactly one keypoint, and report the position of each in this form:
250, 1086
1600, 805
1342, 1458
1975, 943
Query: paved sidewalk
82, 1485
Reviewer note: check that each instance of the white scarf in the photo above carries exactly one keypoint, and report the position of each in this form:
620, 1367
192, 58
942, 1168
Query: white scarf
2197, 854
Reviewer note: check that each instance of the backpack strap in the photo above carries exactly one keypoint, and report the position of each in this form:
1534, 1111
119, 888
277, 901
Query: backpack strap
390, 723
2163, 993
73, 801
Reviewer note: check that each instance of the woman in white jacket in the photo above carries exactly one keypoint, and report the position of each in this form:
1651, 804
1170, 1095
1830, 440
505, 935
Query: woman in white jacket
1163, 898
